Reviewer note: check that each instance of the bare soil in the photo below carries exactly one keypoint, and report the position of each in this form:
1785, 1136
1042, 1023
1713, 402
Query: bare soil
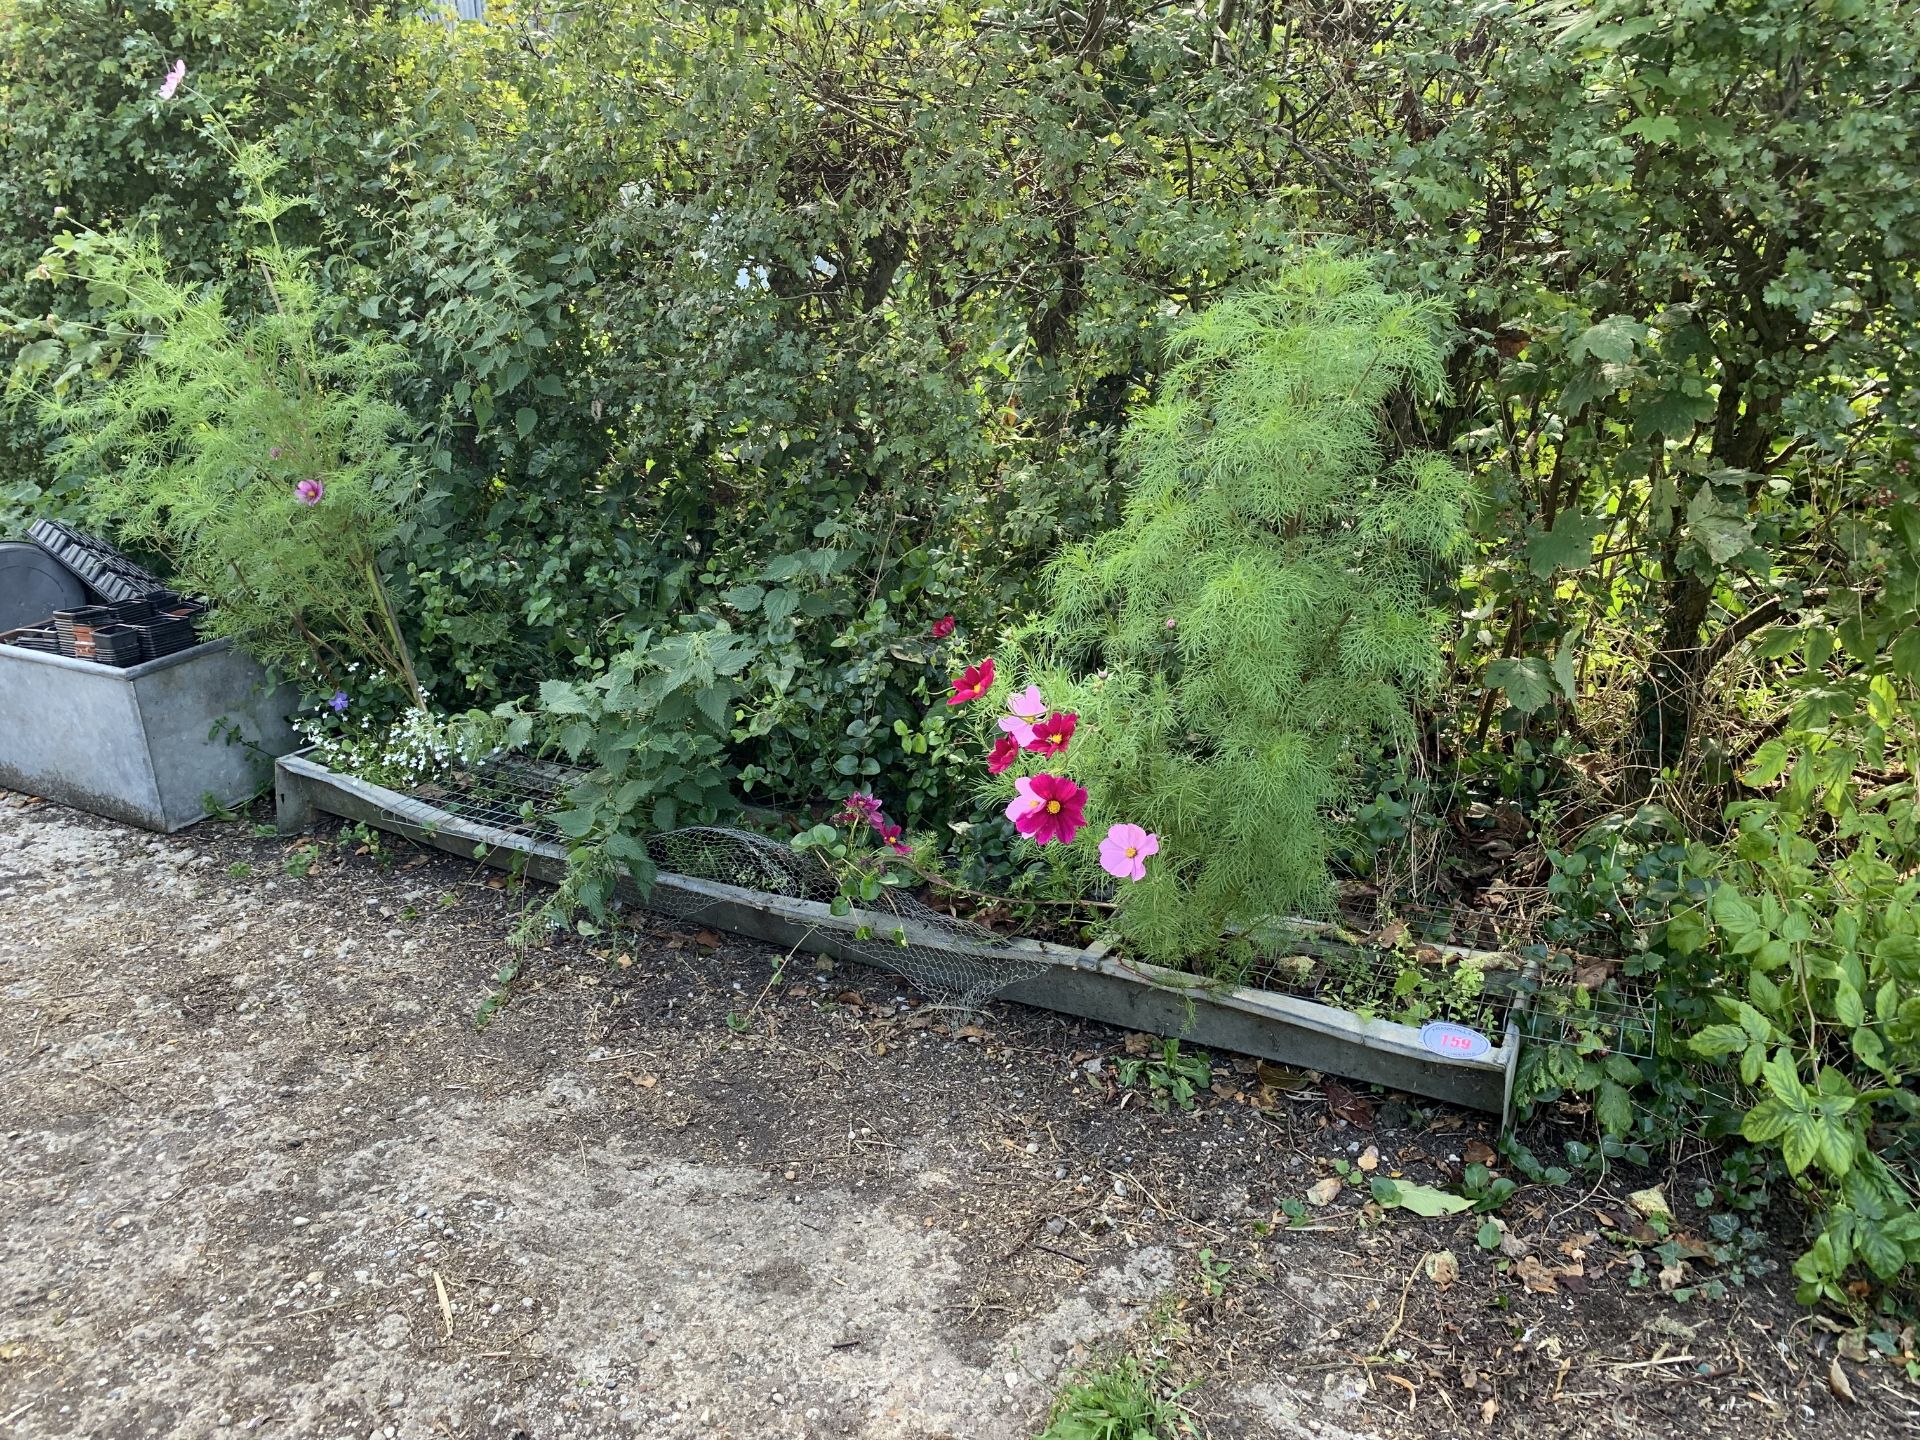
262, 1174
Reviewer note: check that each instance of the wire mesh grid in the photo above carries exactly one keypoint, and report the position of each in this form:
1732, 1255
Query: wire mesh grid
1410, 986
515, 793
1614, 1019
947, 958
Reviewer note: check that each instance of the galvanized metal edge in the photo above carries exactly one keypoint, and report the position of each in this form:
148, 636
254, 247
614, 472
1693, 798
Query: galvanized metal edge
1089, 983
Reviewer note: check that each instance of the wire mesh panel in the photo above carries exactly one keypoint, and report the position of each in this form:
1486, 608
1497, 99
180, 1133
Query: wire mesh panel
942, 955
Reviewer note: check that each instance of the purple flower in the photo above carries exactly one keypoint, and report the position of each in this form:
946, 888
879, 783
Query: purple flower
309, 492
174, 77
338, 704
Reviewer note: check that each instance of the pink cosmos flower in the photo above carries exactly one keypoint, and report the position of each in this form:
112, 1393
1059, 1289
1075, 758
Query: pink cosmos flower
1056, 809
1123, 854
1051, 735
972, 683
174, 77
1027, 704
1023, 799
1005, 750
943, 627
309, 492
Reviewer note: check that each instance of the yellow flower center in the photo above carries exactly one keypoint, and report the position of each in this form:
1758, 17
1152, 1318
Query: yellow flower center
1053, 807
1132, 850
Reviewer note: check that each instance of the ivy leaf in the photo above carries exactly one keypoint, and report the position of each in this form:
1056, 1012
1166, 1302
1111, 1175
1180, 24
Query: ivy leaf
1526, 679
1567, 546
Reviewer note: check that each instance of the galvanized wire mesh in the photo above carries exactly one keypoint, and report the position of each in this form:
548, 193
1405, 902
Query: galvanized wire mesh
944, 956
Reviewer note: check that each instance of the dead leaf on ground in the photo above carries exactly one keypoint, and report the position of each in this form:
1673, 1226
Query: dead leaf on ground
1546, 1278
1138, 1043
1672, 1277
1349, 1106
1575, 1247
1488, 1409
1390, 934
1323, 1192
1279, 1077
1590, 972
1837, 1381
1369, 1159
707, 938
1442, 1269
1652, 1203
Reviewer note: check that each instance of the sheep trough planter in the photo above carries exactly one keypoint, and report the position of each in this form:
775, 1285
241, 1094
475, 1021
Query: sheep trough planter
149, 744
1442, 1061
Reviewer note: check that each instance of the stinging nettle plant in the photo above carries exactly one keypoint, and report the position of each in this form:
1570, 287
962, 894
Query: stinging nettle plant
260, 453
1261, 615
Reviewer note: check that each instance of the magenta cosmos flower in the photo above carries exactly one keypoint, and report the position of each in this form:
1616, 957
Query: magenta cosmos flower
309, 492
972, 683
1005, 751
1051, 735
1048, 808
174, 77
1123, 854
943, 627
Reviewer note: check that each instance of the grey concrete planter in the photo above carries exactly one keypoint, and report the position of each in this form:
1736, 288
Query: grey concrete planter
149, 744
1085, 982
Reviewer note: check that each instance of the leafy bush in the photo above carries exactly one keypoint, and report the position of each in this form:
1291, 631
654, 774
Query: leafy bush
262, 457
1262, 615
654, 727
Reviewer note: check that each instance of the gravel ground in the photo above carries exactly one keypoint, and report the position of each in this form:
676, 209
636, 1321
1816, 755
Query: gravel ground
262, 1173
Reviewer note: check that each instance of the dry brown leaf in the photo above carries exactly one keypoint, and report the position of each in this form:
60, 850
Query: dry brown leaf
1137, 1043
1278, 1077
1488, 1409
1478, 1152
1672, 1277
1369, 1159
707, 938
1837, 1381
1853, 1346
646, 1082
1442, 1269
1536, 1276
1322, 1192
1349, 1106
1575, 1247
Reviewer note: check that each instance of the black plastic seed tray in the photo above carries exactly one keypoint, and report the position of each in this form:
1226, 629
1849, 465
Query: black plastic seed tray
134, 612
117, 645
165, 637
47, 642
108, 573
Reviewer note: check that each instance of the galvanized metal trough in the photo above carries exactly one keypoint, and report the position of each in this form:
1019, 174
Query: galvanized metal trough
149, 744
1090, 983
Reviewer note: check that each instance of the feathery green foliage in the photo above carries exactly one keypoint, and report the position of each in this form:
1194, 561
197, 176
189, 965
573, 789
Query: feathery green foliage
191, 430
1261, 613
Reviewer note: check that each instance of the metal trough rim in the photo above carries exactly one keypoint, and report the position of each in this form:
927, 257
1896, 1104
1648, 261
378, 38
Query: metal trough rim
1097, 985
